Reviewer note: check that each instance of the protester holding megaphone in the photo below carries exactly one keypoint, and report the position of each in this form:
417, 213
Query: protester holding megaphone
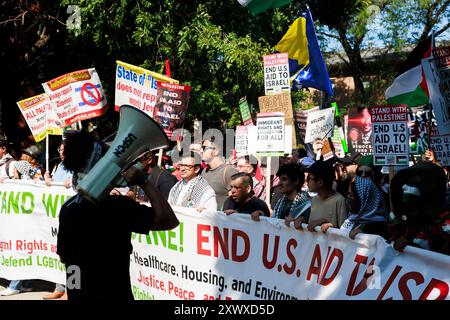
102, 271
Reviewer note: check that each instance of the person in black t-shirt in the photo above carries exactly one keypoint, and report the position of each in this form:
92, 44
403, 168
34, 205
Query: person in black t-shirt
94, 240
242, 200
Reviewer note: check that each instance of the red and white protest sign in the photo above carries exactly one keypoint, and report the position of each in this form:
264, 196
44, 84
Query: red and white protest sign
76, 96
276, 73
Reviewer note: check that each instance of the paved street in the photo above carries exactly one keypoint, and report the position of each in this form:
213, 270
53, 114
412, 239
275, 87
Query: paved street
40, 288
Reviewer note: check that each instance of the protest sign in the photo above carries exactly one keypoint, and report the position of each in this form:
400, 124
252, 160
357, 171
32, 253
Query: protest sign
279, 103
40, 117
390, 138
214, 256
245, 112
359, 134
319, 125
300, 122
437, 73
171, 106
276, 73
76, 96
270, 134
137, 87
440, 145
241, 141
34, 111
336, 139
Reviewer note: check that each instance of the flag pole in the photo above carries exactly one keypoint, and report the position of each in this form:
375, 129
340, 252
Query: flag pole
46, 152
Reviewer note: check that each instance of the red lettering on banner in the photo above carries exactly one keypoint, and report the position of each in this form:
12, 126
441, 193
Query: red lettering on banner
403, 283
362, 285
223, 242
180, 292
316, 259
224, 245
291, 269
336, 253
235, 234
389, 283
270, 264
435, 284
201, 239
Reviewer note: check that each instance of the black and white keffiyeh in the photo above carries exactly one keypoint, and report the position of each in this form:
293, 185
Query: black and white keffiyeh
299, 206
192, 196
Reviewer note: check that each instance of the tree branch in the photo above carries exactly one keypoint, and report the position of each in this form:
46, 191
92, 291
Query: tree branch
329, 35
442, 29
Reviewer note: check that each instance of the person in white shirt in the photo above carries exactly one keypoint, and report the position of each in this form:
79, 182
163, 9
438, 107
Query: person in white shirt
7, 162
192, 191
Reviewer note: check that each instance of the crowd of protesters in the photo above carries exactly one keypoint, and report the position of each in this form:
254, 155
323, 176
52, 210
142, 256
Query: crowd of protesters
347, 193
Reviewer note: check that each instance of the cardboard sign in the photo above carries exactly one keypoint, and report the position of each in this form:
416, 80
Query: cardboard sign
276, 73
270, 134
319, 125
437, 74
359, 134
279, 103
171, 106
245, 112
390, 138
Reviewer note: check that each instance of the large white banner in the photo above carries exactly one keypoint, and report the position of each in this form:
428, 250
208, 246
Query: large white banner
28, 230
213, 256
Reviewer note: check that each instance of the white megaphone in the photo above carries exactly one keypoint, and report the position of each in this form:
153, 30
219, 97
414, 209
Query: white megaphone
137, 134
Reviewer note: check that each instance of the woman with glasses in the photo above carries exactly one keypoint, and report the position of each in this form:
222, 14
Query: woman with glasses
192, 191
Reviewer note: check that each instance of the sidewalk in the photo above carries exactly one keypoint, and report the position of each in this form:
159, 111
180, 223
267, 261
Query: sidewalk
40, 288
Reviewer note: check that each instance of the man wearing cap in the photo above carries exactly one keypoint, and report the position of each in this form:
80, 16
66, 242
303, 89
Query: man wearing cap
345, 173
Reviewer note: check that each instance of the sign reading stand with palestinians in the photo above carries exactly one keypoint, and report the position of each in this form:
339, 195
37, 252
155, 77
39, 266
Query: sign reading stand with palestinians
76, 96
137, 87
276, 73
270, 134
390, 138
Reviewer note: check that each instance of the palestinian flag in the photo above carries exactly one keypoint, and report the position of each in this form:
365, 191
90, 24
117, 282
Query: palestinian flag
410, 86
259, 6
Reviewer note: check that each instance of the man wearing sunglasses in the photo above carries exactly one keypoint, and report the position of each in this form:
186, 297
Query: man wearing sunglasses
192, 191
217, 173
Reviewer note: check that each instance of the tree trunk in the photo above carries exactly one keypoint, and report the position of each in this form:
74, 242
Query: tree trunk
356, 63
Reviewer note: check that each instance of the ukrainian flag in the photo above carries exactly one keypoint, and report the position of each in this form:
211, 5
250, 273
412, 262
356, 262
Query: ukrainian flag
306, 64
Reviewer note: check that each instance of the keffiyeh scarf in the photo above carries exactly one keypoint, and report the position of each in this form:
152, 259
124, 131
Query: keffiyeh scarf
193, 195
299, 206
372, 207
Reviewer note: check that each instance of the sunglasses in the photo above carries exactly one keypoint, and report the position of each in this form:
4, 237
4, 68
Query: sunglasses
204, 148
